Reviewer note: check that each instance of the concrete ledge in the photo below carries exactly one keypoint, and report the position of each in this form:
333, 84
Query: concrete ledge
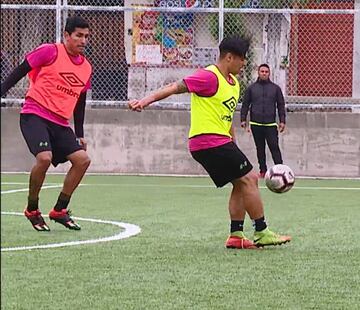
322, 100
155, 142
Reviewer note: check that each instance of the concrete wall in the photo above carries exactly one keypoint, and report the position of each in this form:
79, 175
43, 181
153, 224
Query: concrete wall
155, 142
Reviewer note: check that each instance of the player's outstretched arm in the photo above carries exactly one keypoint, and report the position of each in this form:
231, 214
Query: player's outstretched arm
162, 93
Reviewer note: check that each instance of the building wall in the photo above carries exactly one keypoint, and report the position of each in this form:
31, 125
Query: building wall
155, 142
321, 53
356, 54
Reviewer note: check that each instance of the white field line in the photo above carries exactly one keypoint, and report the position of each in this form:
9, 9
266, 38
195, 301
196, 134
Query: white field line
130, 230
11, 191
175, 175
56, 185
213, 186
23, 183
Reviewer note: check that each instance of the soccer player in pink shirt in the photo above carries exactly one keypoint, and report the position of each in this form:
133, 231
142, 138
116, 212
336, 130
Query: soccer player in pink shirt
214, 97
59, 78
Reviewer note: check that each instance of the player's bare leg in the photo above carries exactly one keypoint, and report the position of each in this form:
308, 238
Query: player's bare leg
236, 205
37, 177
80, 162
38, 173
247, 186
237, 213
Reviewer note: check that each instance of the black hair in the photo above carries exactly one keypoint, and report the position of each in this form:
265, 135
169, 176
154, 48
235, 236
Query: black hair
264, 65
73, 22
234, 44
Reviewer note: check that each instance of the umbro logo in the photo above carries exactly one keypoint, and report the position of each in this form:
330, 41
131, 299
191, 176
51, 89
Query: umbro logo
72, 79
230, 104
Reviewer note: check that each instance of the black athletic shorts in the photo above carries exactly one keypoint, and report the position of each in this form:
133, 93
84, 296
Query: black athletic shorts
224, 163
42, 135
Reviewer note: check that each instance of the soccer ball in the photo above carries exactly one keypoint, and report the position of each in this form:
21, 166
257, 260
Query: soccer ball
279, 179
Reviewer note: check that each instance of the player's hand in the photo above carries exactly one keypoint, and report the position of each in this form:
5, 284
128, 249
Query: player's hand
136, 105
244, 126
281, 127
83, 143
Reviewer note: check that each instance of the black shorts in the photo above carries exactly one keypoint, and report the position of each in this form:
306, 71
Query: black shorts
224, 163
42, 135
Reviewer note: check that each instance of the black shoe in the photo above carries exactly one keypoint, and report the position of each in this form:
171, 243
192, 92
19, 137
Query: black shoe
36, 220
63, 217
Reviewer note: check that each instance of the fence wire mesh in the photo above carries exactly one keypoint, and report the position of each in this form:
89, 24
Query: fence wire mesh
137, 46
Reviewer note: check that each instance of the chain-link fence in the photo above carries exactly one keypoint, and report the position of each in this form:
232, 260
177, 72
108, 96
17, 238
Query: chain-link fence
136, 46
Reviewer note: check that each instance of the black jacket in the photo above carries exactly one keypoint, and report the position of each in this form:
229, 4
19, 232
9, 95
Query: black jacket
263, 97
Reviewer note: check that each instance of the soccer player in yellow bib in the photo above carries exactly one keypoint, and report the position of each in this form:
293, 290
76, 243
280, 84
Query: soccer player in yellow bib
214, 97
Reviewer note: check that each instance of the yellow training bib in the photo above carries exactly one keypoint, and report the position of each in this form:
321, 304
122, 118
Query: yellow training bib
214, 115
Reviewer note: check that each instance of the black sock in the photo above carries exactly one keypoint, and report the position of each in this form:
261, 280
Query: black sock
236, 226
259, 224
62, 202
33, 204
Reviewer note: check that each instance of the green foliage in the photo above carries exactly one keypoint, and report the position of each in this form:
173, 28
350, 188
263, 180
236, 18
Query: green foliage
234, 24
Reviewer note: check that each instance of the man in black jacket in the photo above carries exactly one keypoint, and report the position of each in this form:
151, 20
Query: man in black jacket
263, 98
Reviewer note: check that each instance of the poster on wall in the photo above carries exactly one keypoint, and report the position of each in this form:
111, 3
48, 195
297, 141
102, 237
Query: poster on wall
185, 3
147, 31
178, 38
171, 33
148, 53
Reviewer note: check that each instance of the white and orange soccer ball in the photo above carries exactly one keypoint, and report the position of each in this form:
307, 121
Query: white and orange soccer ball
279, 179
